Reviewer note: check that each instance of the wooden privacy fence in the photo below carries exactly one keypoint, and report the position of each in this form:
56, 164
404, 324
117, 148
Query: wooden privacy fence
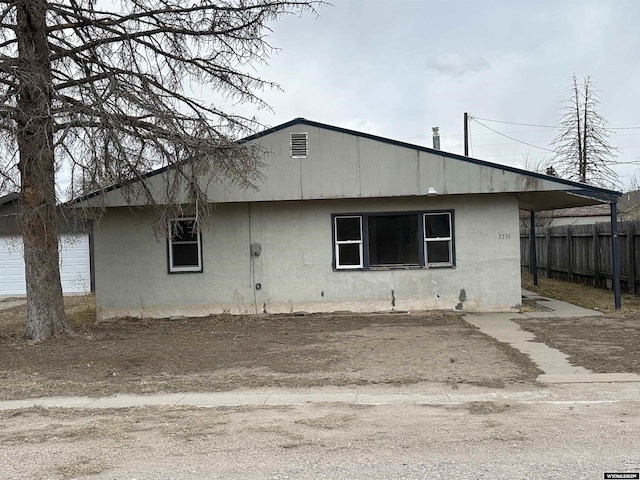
582, 254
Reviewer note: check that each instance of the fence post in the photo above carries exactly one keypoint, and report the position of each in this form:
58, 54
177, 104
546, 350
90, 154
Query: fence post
631, 258
596, 256
569, 255
533, 263
549, 250
615, 252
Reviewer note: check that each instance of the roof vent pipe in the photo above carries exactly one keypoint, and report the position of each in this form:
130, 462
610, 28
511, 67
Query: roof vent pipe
436, 138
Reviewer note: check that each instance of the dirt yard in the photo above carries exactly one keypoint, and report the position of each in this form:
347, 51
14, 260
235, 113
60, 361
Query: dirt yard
227, 352
606, 344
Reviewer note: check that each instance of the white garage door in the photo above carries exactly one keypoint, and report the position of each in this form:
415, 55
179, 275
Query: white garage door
75, 270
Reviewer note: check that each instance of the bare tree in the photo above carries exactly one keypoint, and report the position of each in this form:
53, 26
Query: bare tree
536, 164
101, 92
583, 152
632, 183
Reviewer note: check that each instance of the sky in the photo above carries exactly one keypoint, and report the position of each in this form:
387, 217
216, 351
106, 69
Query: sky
398, 68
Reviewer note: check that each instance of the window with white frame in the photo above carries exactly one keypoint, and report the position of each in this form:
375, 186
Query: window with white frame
395, 239
185, 246
348, 241
438, 242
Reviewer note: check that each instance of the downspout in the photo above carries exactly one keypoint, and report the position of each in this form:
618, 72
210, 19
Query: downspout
615, 253
533, 253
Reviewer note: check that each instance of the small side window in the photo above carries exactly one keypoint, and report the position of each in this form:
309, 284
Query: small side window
438, 241
348, 242
185, 246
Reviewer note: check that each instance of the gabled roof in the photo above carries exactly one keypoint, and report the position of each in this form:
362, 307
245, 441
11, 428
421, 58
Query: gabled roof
368, 161
590, 190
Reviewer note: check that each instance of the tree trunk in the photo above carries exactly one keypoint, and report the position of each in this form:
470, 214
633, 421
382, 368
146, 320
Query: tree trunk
38, 211
582, 170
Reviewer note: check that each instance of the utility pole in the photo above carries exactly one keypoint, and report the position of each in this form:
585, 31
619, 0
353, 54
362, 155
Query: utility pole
466, 134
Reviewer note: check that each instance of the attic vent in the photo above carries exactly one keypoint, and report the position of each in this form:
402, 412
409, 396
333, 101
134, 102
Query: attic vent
299, 145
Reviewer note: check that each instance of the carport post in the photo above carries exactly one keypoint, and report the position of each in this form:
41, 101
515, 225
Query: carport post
533, 254
615, 253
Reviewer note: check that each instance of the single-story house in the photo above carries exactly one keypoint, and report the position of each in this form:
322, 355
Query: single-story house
75, 254
343, 220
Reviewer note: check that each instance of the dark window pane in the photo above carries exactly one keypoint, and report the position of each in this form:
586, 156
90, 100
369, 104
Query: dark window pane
185, 254
438, 252
393, 240
437, 225
348, 228
349, 254
184, 231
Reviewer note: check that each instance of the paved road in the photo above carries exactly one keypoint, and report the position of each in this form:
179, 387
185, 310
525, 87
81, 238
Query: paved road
561, 431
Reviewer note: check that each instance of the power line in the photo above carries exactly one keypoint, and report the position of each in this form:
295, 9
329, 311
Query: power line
511, 138
622, 126
513, 123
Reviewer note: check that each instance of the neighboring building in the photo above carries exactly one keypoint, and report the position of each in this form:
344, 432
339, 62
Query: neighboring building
579, 215
629, 206
75, 256
342, 221
569, 216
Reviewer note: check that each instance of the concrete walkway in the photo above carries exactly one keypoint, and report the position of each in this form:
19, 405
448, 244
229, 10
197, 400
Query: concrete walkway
551, 361
421, 394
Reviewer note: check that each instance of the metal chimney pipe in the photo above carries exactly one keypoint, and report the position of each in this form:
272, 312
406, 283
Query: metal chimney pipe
436, 138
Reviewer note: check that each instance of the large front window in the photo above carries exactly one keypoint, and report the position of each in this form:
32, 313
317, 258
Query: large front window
404, 239
185, 252
393, 240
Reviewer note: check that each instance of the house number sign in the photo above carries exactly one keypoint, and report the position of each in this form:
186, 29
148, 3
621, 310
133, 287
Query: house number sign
504, 236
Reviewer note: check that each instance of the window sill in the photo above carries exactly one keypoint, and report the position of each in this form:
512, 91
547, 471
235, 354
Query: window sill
174, 272
393, 268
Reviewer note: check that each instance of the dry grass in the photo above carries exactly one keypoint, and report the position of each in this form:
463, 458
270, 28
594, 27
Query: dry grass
80, 310
581, 295
603, 344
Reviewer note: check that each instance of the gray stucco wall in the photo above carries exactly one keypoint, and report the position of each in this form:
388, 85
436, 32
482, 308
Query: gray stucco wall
295, 267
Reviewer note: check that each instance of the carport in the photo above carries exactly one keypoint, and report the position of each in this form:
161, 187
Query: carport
586, 195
